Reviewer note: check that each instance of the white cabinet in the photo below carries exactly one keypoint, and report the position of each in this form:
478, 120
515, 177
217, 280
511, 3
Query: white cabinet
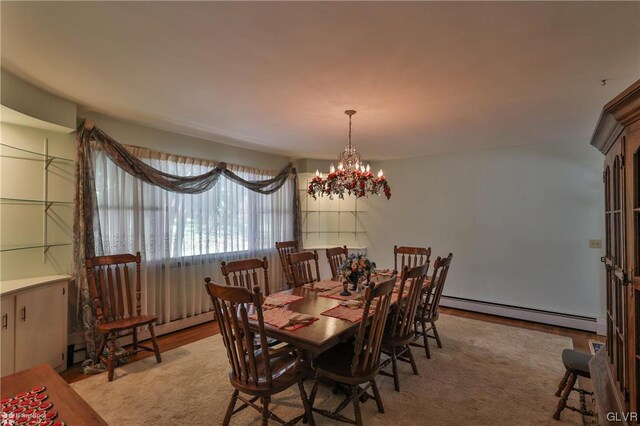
36, 319
7, 333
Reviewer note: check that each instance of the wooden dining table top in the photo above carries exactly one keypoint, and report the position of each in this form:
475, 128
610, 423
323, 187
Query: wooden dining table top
320, 335
71, 408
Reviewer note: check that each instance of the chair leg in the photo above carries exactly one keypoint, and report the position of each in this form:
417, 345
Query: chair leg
314, 391
232, 405
376, 394
111, 361
565, 395
563, 383
425, 339
355, 397
435, 333
305, 403
98, 354
156, 348
413, 361
394, 366
265, 410
135, 338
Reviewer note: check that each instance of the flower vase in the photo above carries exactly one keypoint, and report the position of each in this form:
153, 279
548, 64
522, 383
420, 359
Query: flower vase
354, 282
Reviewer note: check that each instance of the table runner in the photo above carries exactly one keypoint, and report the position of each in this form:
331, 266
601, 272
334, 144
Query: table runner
285, 319
280, 299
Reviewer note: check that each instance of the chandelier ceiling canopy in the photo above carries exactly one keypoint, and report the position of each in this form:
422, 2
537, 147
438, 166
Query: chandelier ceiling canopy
351, 177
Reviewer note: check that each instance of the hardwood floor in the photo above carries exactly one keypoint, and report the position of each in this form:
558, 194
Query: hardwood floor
198, 332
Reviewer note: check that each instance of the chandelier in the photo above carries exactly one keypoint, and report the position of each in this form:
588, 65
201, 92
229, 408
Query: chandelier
351, 177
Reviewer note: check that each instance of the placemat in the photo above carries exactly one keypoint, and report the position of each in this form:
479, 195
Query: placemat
285, 319
345, 313
280, 299
323, 285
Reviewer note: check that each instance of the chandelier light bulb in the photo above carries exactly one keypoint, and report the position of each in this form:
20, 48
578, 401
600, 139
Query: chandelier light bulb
340, 166
321, 175
380, 174
332, 169
317, 173
368, 168
362, 168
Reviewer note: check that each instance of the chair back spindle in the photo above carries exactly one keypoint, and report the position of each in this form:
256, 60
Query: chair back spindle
110, 286
366, 358
431, 298
336, 257
410, 256
248, 366
285, 248
246, 273
303, 265
400, 328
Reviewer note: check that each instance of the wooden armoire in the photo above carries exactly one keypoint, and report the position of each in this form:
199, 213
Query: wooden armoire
615, 373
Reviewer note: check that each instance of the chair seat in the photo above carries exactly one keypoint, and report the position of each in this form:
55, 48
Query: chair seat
126, 323
576, 362
335, 364
284, 371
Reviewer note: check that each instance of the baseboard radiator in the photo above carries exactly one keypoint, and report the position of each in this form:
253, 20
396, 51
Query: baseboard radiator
578, 322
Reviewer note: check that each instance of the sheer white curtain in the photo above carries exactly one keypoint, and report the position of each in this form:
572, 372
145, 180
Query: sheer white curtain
184, 238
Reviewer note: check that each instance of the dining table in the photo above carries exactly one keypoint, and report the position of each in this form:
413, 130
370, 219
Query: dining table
321, 334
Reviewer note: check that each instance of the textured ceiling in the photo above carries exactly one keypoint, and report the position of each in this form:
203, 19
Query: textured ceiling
425, 77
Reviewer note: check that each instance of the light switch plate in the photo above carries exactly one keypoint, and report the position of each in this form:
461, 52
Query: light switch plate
595, 244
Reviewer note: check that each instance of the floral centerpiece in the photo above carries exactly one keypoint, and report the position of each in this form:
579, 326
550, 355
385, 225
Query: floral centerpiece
355, 267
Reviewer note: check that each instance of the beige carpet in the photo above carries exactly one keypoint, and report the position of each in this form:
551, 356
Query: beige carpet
486, 374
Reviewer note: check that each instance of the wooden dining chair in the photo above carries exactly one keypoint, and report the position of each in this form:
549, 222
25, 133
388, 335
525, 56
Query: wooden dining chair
357, 363
246, 273
410, 256
399, 333
302, 265
428, 310
112, 296
284, 248
336, 257
255, 372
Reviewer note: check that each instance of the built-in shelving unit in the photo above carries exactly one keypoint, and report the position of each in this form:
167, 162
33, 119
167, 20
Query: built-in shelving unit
15, 153
328, 223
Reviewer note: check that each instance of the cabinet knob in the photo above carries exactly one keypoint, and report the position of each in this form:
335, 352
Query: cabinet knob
24, 313
5, 321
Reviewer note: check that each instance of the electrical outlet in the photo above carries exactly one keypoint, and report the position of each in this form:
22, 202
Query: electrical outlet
595, 244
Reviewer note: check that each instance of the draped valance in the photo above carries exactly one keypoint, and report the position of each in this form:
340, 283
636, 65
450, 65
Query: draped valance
87, 237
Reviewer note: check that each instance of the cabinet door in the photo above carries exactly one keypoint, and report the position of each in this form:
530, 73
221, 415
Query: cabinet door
633, 286
7, 333
41, 326
616, 262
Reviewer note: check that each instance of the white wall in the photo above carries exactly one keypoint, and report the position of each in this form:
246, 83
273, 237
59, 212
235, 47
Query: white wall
518, 220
